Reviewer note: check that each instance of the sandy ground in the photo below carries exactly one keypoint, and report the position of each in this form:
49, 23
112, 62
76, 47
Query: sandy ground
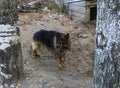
43, 72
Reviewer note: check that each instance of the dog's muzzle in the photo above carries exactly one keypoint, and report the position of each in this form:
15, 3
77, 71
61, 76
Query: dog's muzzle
60, 50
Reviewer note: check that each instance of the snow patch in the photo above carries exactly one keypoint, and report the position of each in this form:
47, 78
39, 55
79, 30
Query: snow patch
4, 28
2, 65
3, 46
45, 9
7, 76
8, 36
33, 2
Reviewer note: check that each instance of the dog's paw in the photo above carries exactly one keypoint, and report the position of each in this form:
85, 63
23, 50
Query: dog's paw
33, 57
62, 66
37, 55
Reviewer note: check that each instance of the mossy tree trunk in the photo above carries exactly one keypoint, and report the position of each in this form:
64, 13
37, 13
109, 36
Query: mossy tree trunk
107, 52
11, 66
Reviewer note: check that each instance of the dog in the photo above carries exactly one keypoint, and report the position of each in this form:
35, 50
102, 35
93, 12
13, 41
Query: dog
56, 42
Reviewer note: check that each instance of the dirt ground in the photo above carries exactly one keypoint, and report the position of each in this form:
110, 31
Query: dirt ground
43, 72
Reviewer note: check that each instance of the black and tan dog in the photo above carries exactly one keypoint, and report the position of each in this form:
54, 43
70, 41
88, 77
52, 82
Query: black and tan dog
56, 42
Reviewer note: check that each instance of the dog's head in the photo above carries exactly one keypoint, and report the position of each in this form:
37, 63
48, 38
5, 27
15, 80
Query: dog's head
62, 43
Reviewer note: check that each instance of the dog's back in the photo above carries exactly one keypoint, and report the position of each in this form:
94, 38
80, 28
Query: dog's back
45, 37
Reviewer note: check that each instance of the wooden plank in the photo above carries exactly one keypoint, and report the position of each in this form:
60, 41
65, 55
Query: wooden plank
81, 3
79, 19
78, 9
78, 15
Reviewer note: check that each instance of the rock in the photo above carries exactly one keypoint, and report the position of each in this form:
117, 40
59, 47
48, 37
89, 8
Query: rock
83, 35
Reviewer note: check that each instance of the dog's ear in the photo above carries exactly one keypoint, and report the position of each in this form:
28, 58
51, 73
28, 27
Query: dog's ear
67, 36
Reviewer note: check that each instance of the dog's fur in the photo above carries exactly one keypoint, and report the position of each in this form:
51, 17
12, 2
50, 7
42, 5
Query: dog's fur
56, 42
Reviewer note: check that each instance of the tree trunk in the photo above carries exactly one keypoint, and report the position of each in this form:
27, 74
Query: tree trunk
11, 66
107, 52
8, 11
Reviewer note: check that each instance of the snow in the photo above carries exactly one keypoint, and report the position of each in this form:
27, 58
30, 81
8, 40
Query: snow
7, 76
7, 28
33, 2
8, 36
3, 46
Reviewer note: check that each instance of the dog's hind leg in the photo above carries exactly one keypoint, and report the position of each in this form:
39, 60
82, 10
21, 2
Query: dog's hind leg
34, 48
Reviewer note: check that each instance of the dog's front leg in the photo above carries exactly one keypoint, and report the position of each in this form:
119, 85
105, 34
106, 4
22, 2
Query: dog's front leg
60, 63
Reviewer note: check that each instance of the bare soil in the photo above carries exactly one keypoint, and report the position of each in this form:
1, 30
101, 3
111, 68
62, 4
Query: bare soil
43, 71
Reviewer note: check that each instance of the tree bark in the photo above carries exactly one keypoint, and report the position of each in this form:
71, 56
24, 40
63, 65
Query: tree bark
107, 49
11, 66
8, 11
